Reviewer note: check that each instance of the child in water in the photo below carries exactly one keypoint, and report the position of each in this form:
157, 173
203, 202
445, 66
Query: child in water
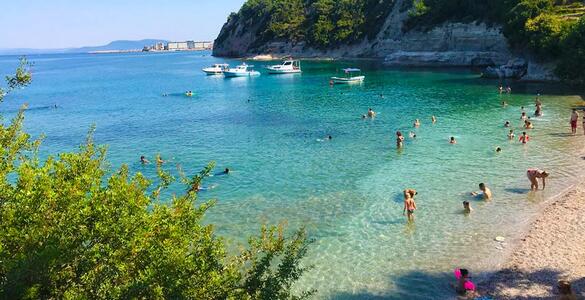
467, 207
452, 141
511, 134
464, 286
524, 138
417, 123
409, 204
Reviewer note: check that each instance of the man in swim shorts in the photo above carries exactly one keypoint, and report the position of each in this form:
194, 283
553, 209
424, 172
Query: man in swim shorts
574, 119
486, 193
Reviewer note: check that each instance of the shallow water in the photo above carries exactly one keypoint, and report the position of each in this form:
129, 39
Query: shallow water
347, 191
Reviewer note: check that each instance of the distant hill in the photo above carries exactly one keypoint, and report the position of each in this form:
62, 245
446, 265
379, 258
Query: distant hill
115, 45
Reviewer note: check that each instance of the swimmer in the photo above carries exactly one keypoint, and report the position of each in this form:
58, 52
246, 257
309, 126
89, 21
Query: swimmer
371, 113
528, 125
381, 95
159, 160
467, 207
434, 119
507, 124
329, 138
511, 134
574, 119
522, 108
452, 141
409, 204
399, 139
224, 172
498, 149
523, 116
524, 138
501, 89
412, 135
485, 192
417, 123
143, 160
504, 104
533, 175
508, 90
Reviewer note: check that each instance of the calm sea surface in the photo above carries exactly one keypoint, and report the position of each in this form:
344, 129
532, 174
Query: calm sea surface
347, 191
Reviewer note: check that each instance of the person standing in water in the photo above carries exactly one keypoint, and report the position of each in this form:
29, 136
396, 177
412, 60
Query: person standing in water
399, 139
417, 123
409, 204
574, 119
434, 119
511, 134
507, 124
467, 207
533, 175
524, 138
452, 141
485, 192
371, 113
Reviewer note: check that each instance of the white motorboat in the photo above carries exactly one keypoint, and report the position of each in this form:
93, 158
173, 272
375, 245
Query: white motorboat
352, 75
242, 70
216, 69
287, 67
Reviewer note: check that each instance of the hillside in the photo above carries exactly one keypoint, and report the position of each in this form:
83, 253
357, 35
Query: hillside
545, 38
115, 45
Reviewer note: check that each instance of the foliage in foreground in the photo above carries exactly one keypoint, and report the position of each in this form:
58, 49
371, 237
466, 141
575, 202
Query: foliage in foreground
66, 233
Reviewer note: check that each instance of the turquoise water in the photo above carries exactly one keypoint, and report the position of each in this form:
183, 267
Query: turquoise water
347, 191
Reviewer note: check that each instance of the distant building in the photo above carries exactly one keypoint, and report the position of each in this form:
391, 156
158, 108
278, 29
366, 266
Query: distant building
191, 45
174, 46
158, 47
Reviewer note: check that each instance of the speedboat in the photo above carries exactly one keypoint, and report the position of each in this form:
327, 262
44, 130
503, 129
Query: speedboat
216, 69
287, 67
242, 70
352, 75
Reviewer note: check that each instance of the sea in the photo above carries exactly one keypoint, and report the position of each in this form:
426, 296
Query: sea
271, 130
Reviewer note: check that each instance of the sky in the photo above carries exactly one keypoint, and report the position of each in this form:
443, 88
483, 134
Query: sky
45, 24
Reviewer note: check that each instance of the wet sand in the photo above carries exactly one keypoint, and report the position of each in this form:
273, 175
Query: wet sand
552, 250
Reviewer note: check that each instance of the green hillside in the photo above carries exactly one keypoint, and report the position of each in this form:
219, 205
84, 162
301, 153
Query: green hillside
551, 30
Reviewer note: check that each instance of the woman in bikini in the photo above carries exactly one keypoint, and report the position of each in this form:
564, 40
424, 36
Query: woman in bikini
399, 139
533, 175
409, 204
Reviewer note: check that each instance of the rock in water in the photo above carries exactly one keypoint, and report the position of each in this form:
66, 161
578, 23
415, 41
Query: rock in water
515, 68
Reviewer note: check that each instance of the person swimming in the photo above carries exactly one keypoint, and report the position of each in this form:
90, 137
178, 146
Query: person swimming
504, 104
412, 135
511, 134
524, 138
159, 160
507, 124
452, 141
143, 160
399, 139
485, 192
371, 113
498, 149
533, 175
509, 90
523, 116
409, 204
467, 207
528, 125
501, 89
433, 119
224, 172
417, 123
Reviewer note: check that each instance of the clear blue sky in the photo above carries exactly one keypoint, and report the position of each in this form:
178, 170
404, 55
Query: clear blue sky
74, 23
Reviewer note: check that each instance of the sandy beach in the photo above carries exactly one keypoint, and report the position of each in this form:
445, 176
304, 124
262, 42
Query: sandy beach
552, 250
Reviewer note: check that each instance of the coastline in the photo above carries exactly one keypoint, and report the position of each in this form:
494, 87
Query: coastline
552, 248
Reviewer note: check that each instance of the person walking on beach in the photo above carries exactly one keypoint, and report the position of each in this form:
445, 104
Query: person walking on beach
485, 192
524, 138
574, 119
533, 175
399, 139
409, 204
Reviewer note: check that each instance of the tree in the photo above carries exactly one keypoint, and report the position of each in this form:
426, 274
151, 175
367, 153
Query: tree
72, 229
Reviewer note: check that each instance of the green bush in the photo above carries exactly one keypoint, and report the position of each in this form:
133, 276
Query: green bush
68, 230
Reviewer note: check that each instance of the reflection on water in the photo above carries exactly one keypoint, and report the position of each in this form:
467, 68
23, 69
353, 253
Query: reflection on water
347, 191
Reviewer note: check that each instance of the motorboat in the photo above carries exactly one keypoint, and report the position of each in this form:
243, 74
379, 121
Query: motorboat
216, 69
287, 67
242, 70
351, 75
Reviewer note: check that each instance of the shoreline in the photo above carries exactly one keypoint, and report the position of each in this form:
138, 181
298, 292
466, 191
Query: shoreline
549, 249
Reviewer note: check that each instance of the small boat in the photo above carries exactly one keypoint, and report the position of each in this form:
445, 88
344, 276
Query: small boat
242, 70
352, 75
287, 67
216, 69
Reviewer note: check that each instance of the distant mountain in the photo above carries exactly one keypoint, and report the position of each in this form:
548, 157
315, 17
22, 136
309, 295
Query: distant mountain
115, 45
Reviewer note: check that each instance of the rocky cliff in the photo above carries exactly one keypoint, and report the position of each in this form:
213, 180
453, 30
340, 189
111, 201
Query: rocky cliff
449, 44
